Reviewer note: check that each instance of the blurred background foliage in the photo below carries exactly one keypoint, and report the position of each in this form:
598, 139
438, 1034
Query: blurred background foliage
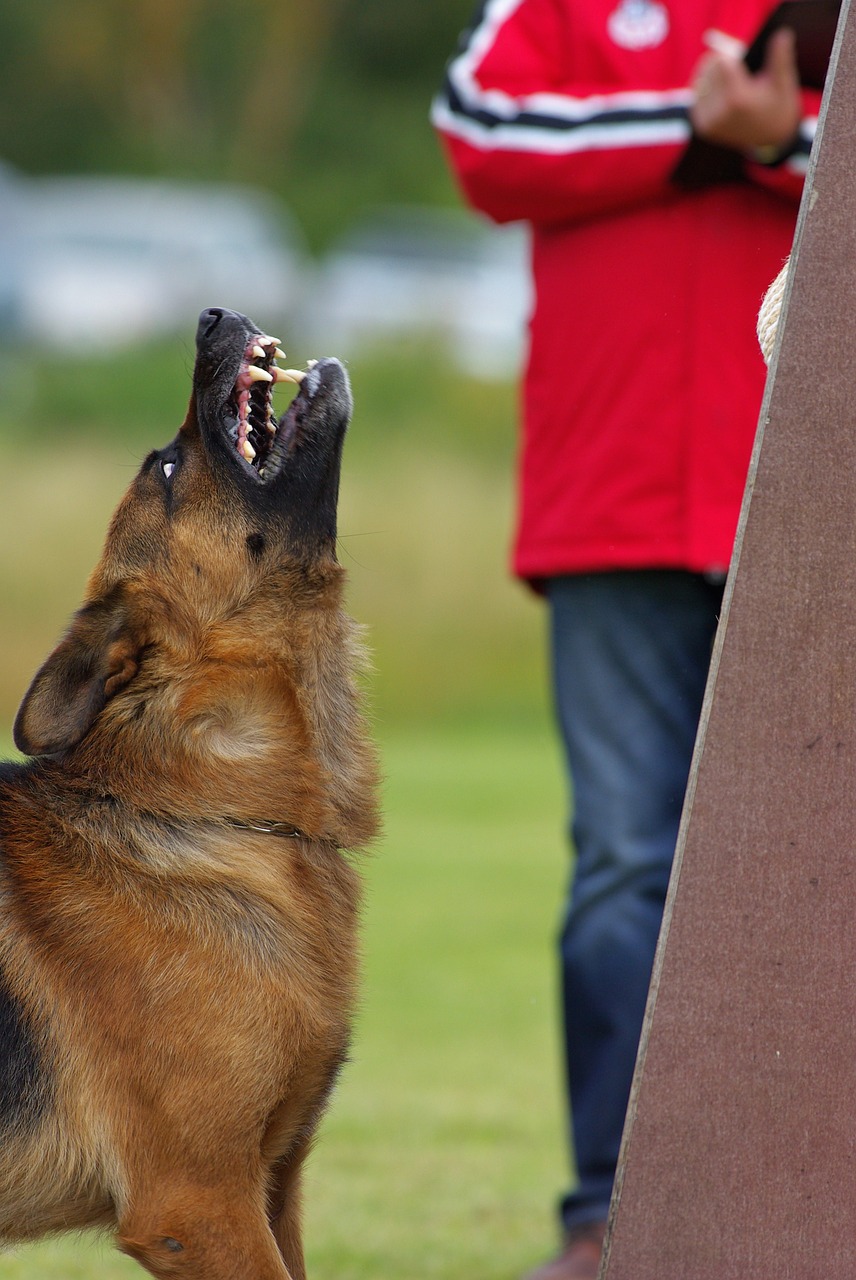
322, 101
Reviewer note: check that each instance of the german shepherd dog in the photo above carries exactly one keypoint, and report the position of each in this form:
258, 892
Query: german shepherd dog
177, 912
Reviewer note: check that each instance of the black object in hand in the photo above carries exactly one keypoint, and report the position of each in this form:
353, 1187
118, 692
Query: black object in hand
814, 22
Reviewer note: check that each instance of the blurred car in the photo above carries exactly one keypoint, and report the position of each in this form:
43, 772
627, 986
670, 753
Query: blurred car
13, 208
439, 274
104, 262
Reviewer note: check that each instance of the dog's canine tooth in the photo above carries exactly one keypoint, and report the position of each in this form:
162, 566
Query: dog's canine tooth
288, 375
255, 374
279, 354
259, 352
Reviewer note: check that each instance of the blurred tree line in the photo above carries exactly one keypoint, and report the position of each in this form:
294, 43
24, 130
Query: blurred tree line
323, 101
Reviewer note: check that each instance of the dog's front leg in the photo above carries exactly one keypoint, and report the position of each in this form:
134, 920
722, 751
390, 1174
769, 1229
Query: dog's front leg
284, 1210
203, 1233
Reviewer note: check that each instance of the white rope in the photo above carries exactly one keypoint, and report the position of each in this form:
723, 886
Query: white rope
768, 316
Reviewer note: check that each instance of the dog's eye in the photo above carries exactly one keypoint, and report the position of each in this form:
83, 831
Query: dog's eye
167, 468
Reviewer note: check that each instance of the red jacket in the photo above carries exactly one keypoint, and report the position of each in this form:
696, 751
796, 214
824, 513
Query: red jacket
644, 377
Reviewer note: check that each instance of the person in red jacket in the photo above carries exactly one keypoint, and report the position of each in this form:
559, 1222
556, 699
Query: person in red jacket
660, 178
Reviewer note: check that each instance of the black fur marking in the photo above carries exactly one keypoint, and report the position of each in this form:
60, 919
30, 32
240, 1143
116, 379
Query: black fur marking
10, 770
24, 1082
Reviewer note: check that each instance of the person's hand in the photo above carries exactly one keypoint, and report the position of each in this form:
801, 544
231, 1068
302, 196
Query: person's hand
736, 109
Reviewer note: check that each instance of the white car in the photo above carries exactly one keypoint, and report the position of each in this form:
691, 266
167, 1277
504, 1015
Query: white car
440, 274
106, 262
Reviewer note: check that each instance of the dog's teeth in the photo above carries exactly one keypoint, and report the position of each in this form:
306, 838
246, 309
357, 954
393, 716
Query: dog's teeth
267, 340
288, 375
259, 352
255, 374
279, 353
246, 450
310, 364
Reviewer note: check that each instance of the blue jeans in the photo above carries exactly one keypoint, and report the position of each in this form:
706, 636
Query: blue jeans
631, 652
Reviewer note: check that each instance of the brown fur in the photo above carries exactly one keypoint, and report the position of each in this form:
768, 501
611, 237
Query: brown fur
182, 982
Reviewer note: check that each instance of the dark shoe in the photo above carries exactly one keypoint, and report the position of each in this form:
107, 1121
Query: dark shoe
580, 1257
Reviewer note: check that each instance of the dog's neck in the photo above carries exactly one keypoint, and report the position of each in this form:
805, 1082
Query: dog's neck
270, 827
282, 829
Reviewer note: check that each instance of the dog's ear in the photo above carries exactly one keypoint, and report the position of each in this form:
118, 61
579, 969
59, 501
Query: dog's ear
97, 658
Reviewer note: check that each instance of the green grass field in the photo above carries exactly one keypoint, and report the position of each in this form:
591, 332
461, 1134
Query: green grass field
442, 1153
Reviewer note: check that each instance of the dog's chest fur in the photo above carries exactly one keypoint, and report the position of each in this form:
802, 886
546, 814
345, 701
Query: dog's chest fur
234, 948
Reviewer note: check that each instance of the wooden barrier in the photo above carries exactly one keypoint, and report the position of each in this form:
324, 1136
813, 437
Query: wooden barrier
739, 1156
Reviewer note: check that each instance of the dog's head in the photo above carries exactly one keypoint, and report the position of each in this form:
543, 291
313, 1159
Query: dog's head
216, 603
236, 483
284, 473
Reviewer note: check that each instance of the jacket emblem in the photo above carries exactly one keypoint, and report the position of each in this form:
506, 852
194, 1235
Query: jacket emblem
638, 24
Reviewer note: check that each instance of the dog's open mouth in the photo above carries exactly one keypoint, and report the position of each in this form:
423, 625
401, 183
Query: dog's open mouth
294, 460
259, 438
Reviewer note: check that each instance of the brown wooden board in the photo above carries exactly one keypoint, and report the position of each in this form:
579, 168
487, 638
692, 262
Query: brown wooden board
739, 1157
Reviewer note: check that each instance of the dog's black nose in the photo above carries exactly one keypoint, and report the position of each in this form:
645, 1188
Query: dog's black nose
208, 322
218, 325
